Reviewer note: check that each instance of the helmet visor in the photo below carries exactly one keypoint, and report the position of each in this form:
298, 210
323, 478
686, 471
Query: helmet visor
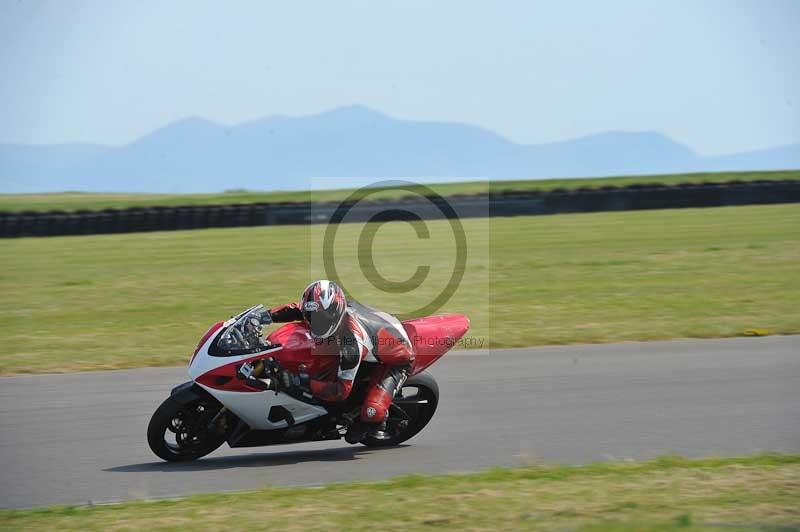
323, 322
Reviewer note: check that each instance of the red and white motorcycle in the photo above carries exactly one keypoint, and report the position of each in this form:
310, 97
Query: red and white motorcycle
229, 398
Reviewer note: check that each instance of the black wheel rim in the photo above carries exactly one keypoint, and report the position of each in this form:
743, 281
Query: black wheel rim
409, 409
188, 431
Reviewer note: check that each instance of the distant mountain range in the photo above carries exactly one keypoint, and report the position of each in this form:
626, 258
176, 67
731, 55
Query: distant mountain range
348, 146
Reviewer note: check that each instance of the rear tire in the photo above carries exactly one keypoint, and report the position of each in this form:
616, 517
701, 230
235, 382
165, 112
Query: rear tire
187, 422
419, 412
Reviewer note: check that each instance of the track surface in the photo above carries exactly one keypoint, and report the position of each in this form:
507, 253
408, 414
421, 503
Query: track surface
81, 437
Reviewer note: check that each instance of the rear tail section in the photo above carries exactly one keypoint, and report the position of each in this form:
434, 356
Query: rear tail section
433, 336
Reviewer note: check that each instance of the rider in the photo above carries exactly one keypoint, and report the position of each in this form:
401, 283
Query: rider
361, 334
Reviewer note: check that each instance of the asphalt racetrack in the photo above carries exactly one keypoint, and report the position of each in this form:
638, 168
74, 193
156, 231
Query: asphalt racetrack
81, 437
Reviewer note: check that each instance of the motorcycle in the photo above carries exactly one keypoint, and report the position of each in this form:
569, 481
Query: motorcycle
230, 397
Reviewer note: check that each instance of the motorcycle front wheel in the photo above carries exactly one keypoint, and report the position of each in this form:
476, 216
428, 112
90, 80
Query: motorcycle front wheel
180, 432
412, 409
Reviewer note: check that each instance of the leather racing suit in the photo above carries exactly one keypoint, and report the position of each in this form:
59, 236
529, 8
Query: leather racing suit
365, 335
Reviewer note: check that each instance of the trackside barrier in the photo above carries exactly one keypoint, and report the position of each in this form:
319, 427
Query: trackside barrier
511, 203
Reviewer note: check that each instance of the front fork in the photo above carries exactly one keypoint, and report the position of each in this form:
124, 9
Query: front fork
220, 421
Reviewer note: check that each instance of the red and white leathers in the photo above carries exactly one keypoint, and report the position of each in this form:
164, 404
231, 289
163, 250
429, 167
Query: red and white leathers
365, 335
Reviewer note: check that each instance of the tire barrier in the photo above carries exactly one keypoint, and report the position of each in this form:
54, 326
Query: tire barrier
510, 203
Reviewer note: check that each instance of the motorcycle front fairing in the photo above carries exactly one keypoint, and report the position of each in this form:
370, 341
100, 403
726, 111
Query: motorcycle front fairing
215, 367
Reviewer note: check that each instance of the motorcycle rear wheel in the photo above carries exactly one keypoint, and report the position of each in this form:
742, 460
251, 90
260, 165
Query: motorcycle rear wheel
188, 425
418, 409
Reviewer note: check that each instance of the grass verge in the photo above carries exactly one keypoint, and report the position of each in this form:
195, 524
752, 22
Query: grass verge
133, 300
748, 493
71, 201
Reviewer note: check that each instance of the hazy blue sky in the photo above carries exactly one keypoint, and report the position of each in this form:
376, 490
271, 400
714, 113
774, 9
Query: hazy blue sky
720, 76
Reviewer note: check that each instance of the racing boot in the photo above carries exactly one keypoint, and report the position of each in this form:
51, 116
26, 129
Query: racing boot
379, 432
357, 432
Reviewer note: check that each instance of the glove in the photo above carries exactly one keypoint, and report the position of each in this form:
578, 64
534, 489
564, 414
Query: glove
264, 317
289, 382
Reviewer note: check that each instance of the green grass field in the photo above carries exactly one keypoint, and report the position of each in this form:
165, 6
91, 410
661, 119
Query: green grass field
70, 201
750, 493
119, 301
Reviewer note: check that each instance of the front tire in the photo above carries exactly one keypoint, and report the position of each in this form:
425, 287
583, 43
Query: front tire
417, 408
187, 424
